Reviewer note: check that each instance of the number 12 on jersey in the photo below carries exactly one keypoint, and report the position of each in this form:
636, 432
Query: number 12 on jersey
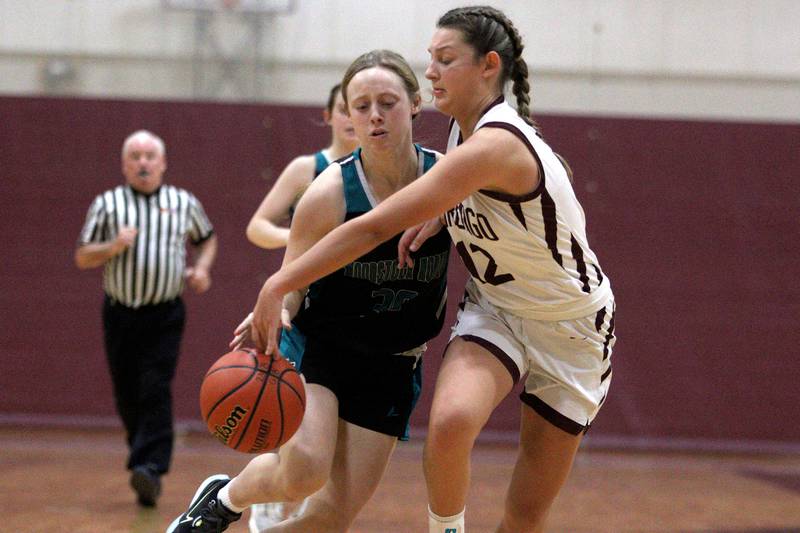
490, 274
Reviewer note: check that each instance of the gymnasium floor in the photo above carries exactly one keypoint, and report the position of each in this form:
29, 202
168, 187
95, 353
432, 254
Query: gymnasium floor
71, 481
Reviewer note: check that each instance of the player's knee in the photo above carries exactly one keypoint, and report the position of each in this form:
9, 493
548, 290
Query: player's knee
300, 485
305, 472
451, 426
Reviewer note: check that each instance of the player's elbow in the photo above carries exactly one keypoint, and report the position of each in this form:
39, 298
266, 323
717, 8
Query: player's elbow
260, 236
252, 234
377, 233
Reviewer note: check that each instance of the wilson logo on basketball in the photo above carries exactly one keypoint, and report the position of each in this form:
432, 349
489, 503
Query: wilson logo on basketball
248, 408
223, 433
260, 443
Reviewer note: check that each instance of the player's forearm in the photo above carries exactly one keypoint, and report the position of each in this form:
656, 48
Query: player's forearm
336, 249
294, 300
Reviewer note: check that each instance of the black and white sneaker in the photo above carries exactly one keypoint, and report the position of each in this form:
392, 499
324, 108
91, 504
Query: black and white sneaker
206, 513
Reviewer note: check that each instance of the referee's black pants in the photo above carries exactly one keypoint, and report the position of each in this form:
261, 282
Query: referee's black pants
142, 348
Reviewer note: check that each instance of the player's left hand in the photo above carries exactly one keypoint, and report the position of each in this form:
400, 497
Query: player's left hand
241, 335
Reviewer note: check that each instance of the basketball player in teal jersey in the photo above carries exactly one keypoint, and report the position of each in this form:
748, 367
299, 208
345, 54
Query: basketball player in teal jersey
538, 307
361, 332
278, 206
279, 203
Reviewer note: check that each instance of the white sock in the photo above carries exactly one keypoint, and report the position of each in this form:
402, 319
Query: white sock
445, 524
225, 499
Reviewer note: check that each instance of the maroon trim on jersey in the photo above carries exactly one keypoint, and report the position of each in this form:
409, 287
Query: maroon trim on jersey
599, 319
580, 264
516, 208
551, 415
551, 227
497, 101
550, 219
450, 124
512, 198
495, 350
609, 336
453, 124
599, 274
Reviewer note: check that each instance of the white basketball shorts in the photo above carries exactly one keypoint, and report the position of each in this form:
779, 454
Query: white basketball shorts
567, 362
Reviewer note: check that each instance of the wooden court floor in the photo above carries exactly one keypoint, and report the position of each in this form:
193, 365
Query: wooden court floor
71, 481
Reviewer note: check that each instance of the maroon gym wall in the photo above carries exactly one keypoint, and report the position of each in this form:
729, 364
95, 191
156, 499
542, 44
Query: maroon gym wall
696, 223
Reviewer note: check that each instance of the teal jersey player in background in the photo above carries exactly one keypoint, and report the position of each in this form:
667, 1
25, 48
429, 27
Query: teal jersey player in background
277, 207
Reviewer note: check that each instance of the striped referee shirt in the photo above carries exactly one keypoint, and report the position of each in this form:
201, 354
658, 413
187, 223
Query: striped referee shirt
151, 271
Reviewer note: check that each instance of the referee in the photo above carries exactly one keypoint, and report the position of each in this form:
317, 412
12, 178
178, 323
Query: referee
138, 231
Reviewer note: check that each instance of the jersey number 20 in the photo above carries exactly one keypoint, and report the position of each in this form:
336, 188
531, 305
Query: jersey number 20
392, 300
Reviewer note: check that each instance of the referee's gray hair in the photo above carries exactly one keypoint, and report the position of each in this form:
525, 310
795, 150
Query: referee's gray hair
144, 133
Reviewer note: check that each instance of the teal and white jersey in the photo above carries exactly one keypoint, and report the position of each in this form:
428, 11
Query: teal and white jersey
371, 306
321, 162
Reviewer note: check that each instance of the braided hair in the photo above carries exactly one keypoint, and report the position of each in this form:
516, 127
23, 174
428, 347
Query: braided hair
487, 29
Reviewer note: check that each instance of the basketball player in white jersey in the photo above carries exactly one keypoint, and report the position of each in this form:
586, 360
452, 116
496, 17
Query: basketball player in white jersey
538, 306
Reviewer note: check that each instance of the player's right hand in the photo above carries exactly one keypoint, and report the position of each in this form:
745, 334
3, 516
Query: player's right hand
412, 240
267, 319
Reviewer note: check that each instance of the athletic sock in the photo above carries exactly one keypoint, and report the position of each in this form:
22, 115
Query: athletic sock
445, 524
225, 500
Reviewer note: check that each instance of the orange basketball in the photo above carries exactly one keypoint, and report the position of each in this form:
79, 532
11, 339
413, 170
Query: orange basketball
252, 402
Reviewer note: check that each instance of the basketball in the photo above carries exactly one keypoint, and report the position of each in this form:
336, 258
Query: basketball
252, 402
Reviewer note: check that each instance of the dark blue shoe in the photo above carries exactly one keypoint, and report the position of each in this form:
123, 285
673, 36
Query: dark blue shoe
206, 513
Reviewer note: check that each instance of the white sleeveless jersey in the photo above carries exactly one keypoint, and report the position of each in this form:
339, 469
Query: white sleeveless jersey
528, 255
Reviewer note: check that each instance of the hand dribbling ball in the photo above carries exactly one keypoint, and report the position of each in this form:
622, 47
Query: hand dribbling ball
252, 402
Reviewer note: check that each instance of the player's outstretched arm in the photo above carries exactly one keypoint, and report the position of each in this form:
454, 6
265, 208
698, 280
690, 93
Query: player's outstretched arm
476, 164
263, 229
